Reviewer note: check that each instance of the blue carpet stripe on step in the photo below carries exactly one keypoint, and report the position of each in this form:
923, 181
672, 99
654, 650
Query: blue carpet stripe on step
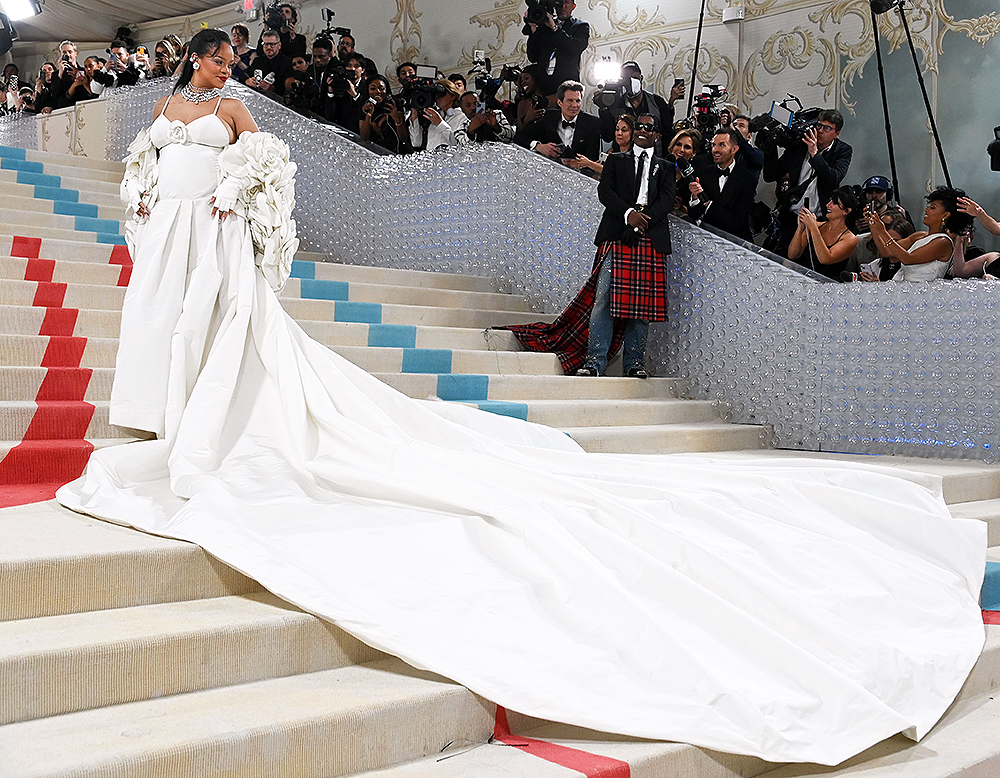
392, 335
73, 208
9, 163
38, 179
311, 289
426, 360
501, 408
112, 240
12, 152
303, 269
359, 313
93, 224
463, 386
990, 598
55, 193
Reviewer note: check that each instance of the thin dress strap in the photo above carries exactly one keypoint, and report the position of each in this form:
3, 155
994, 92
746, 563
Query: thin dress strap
217, 104
164, 109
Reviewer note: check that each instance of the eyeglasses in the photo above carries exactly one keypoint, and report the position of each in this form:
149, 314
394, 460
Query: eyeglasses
647, 126
271, 45
826, 127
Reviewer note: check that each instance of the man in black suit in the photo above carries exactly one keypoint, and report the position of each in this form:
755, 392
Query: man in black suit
722, 193
637, 191
813, 169
564, 132
558, 43
635, 100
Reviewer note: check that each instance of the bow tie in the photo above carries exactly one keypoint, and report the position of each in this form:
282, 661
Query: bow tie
568, 125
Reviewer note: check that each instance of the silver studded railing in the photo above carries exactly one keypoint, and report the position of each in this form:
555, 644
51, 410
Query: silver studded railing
904, 368
19, 130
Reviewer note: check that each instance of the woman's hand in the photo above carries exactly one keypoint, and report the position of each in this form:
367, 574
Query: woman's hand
971, 207
433, 116
215, 211
807, 219
533, 115
875, 223
866, 276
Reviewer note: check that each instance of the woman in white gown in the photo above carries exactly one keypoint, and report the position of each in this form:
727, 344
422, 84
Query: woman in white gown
789, 610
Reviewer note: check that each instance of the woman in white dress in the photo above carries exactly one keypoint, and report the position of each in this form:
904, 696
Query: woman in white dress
924, 255
765, 608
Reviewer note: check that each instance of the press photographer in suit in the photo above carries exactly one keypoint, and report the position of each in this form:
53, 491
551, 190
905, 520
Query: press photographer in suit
637, 191
722, 193
555, 41
814, 168
564, 132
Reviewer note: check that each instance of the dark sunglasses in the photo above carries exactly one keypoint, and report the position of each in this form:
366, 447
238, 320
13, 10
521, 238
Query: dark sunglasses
647, 126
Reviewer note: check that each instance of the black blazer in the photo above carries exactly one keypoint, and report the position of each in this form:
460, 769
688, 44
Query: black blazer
616, 192
568, 43
586, 136
831, 168
731, 208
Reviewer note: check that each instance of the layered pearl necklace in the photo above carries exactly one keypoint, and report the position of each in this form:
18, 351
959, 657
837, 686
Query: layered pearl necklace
194, 95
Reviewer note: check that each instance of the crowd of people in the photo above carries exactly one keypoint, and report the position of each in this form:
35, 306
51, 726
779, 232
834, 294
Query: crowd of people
848, 233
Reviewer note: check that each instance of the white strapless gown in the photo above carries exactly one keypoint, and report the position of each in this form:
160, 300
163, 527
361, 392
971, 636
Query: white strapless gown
791, 610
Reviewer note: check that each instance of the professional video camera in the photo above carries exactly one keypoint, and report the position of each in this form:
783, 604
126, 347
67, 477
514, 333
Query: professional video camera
538, 11
486, 83
338, 79
782, 126
422, 91
303, 93
994, 150
706, 108
330, 30
274, 19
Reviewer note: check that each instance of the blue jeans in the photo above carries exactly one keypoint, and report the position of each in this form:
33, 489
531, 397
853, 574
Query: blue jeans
602, 328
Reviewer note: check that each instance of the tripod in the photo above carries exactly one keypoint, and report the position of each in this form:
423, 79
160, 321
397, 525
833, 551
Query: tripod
881, 7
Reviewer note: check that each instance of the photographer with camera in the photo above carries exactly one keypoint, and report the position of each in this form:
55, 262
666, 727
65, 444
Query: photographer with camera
121, 69
479, 124
272, 72
381, 120
432, 106
65, 75
344, 92
80, 90
627, 96
749, 156
282, 19
556, 40
303, 93
814, 168
564, 132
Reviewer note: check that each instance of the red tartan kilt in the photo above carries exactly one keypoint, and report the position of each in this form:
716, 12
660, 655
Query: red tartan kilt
638, 280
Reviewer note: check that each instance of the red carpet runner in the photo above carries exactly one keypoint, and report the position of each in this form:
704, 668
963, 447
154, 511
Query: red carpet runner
54, 449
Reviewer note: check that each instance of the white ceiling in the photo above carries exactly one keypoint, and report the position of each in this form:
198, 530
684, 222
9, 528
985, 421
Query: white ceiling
96, 20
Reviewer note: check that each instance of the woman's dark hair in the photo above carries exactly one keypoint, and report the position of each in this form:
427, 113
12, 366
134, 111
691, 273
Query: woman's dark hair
845, 198
41, 70
957, 221
628, 118
243, 30
204, 44
901, 225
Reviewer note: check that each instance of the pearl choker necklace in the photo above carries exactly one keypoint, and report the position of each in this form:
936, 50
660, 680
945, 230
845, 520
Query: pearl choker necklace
193, 95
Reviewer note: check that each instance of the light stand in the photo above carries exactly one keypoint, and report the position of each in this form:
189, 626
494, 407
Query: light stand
697, 48
885, 106
881, 6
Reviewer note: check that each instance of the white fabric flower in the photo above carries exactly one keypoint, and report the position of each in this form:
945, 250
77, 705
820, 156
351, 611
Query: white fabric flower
178, 132
140, 180
256, 173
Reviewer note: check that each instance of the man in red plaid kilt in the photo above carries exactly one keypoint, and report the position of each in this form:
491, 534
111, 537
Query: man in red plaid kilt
627, 287
637, 191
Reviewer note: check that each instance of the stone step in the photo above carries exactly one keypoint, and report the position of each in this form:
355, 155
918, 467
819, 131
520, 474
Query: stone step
31, 349
668, 438
151, 651
962, 480
21, 384
54, 561
984, 510
28, 320
526, 387
405, 295
328, 723
603, 413
54, 233
338, 333
27, 222
56, 420
20, 197
391, 313
315, 265
78, 162
398, 360
80, 296
63, 272
62, 168
104, 188
74, 248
